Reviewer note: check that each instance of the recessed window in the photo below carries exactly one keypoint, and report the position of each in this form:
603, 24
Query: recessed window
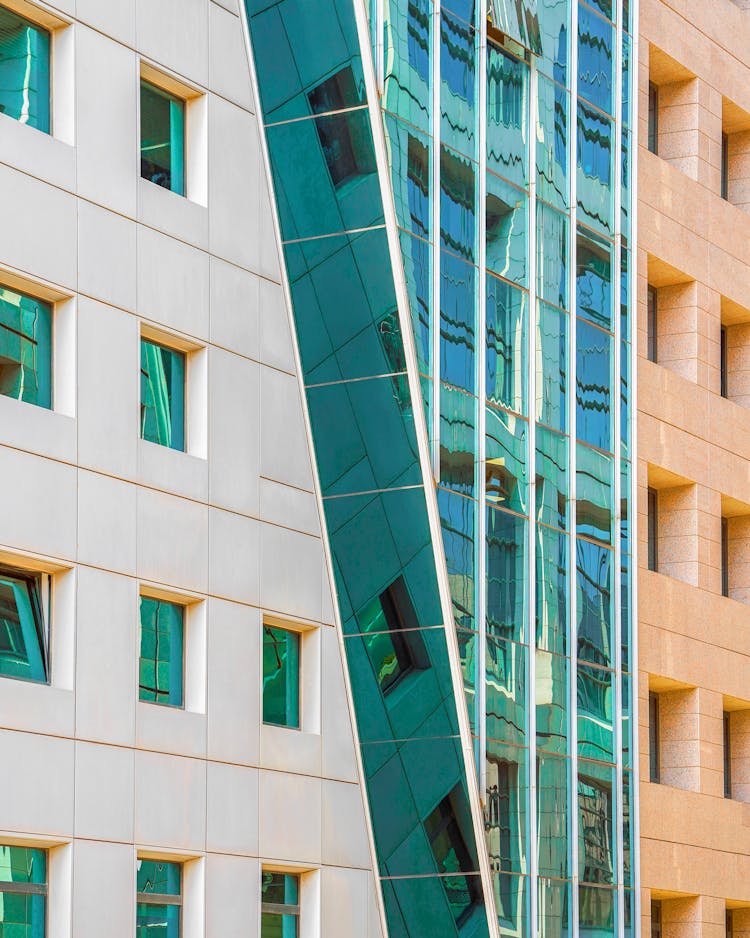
161, 667
281, 673
159, 900
25, 347
653, 738
724, 166
24, 71
162, 395
653, 311
653, 117
279, 905
453, 857
729, 923
656, 919
724, 386
653, 529
724, 557
162, 138
23, 892
23, 649
727, 756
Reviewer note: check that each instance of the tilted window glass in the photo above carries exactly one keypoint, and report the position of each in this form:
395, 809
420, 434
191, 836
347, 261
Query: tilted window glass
25, 348
23, 652
23, 892
162, 395
281, 661
24, 71
161, 666
162, 138
159, 899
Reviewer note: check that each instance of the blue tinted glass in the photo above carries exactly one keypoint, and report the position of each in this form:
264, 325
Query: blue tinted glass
594, 186
161, 662
458, 517
159, 877
554, 20
594, 494
595, 44
551, 477
506, 353
552, 142
25, 346
157, 921
417, 258
281, 677
552, 799
162, 138
507, 115
551, 589
458, 285
506, 460
24, 71
409, 154
552, 352
507, 223
595, 707
408, 76
458, 456
458, 87
552, 255
506, 819
594, 279
505, 689
593, 385
458, 200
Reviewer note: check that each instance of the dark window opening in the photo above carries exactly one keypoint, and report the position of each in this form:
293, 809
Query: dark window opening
652, 324
653, 530
653, 738
724, 166
727, 756
656, 919
729, 924
453, 856
723, 364
724, 557
653, 118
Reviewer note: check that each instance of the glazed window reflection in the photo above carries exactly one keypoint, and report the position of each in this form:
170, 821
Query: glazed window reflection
25, 347
281, 677
596, 846
24, 71
159, 899
162, 138
507, 79
23, 646
162, 395
161, 663
280, 906
23, 892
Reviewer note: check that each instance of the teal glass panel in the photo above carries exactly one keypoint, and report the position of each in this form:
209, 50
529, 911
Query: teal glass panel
458, 332
157, 921
273, 925
162, 138
279, 888
594, 279
505, 690
552, 356
627, 829
551, 589
22, 637
553, 815
595, 355
507, 224
594, 590
554, 22
551, 702
407, 55
594, 180
347, 323
554, 908
595, 708
435, 905
597, 911
365, 430
417, 258
467, 10
553, 120
518, 19
506, 574
458, 204
281, 677
507, 115
24, 71
506, 353
25, 344
506, 818
594, 494
409, 158
595, 59
458, 458
159, 877
506, 460
626, 725
161, 663
458, 89
162, 395
467, 653
626, 170
512, 903
458, 517
22, 915
596, 843
325, 175
551, 477
552, 255
296, 42
279, 905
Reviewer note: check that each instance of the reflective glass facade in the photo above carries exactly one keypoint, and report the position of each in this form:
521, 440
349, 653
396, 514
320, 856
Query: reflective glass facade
453, 195
162, 138
25, 348
24, 70
162, 395
23, 892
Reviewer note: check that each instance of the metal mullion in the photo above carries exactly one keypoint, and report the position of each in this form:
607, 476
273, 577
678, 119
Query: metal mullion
532, 858
279, 909
572, 563
24, 889
158, 898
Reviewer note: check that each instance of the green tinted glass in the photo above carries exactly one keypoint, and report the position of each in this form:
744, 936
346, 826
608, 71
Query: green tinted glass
23, 892
162, 138
25, 345
162, 395
157, 921
159, 878
22, 651
160, 673
24, 71
280, 905
280, 677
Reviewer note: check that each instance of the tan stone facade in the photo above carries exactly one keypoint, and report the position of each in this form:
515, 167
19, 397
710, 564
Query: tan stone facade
694, 452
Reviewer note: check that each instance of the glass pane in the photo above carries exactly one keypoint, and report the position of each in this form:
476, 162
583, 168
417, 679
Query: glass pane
594, 279
157, 921
458, 332
273, 925
23, 916
551, 702
161, 665
409, 158
594, 385
407, 57
22, 652
458, 90
505, 688
458, 521
435, 905
159, 877
23, 865
281, 652
551, 477
506, 574
506, 460
595, 705
594, 185
506, 823
594, 494
162, 138
507, 115
594, 576
279, 888
551, 589
552, 368
25, 344
554, 908
506, 345
596, 910
162, 395
458, 443
596, 848
552, 143
595, 42
552, 255
507, 220
458, 204
553, 815
24, 71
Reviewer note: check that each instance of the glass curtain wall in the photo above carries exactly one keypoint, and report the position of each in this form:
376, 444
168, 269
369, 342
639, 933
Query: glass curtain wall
503, 122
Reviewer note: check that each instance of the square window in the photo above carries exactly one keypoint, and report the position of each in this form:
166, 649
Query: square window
279, 905
23, 649
25, 346
23, 891
159, 899
24, 71
281, 677
162, 138
162, 395
161, 665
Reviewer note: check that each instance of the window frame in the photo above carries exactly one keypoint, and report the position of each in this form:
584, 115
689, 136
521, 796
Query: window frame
654, 738
38, 583
725, 166
31, 889
185, 612
273, 626
159, 898
49, 307
173, 98
275, 908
